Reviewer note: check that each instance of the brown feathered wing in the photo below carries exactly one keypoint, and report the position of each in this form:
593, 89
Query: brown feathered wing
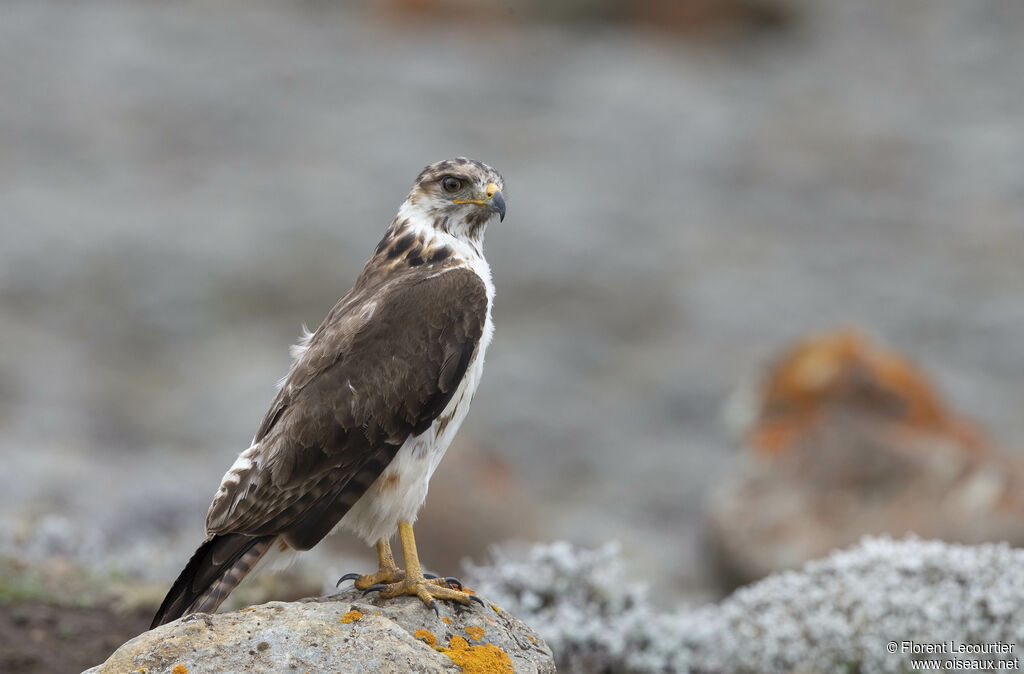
382, 366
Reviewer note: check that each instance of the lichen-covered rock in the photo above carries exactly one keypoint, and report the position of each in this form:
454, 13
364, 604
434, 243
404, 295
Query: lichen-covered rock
343, 633
846, 438
855, 611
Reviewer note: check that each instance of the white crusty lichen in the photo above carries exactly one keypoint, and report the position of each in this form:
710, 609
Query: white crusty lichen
838, 614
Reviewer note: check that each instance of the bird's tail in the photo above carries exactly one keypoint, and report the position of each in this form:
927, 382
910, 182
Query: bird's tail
216, 568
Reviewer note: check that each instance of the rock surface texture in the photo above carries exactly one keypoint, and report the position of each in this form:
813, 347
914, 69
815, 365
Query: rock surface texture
857, 611
343, 632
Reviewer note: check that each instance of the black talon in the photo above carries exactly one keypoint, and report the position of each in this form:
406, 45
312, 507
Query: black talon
429, 576
477, 599
437, 613
374, 588
454, 582
348, 576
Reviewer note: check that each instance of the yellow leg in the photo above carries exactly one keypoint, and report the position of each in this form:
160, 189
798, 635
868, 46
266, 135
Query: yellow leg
386, 560
414, 582
387, 570
412, 558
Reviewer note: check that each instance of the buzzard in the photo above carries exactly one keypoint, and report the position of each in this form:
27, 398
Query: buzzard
371, 402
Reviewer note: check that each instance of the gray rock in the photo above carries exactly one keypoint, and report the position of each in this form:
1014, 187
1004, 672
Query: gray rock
873, 609
343, 632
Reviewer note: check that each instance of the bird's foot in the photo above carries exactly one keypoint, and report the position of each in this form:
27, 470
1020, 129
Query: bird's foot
444, 581
364, 582
427, 589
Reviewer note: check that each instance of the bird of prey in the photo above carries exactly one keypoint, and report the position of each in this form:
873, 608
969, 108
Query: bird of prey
371, 402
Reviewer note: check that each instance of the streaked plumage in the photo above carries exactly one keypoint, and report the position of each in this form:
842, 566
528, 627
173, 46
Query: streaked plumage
373, 398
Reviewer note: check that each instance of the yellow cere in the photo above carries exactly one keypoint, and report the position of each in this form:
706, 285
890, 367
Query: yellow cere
491, 189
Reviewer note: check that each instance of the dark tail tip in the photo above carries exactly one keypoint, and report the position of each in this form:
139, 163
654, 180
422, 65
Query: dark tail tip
215, 569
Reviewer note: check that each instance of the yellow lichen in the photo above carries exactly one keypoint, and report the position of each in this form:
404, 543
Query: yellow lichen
457, 643
179, 669
426, 636
351, 617
446, 620
482, 659
476, 632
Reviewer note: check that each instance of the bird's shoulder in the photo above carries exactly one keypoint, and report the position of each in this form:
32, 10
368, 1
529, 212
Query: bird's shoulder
386, 341
381, 367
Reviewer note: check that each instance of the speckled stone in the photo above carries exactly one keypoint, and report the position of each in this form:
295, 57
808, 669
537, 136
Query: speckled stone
343, 632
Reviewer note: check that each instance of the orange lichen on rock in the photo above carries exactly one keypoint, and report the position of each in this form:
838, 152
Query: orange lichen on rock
845, 371
476, 632
446, 620
179, 669
848, 439
351, 617
482, 659
426, 636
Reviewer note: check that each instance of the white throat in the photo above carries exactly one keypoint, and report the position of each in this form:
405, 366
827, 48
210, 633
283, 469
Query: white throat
456, 233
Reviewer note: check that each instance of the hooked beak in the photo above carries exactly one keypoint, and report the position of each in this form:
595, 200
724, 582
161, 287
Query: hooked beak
497, 202
494, 200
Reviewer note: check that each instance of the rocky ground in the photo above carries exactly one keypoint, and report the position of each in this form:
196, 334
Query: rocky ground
57, 617
841, 613
855, 611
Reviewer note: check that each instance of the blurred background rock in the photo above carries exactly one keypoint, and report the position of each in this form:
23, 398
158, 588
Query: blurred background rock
691, 187
846, 438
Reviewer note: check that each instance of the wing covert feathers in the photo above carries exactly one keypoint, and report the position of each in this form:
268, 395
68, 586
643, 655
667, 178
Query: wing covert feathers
381, 368
359, 390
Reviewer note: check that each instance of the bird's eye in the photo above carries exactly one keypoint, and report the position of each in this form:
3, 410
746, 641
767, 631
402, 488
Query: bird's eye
451, 184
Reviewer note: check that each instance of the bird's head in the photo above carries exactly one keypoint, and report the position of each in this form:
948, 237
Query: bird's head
459, 196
